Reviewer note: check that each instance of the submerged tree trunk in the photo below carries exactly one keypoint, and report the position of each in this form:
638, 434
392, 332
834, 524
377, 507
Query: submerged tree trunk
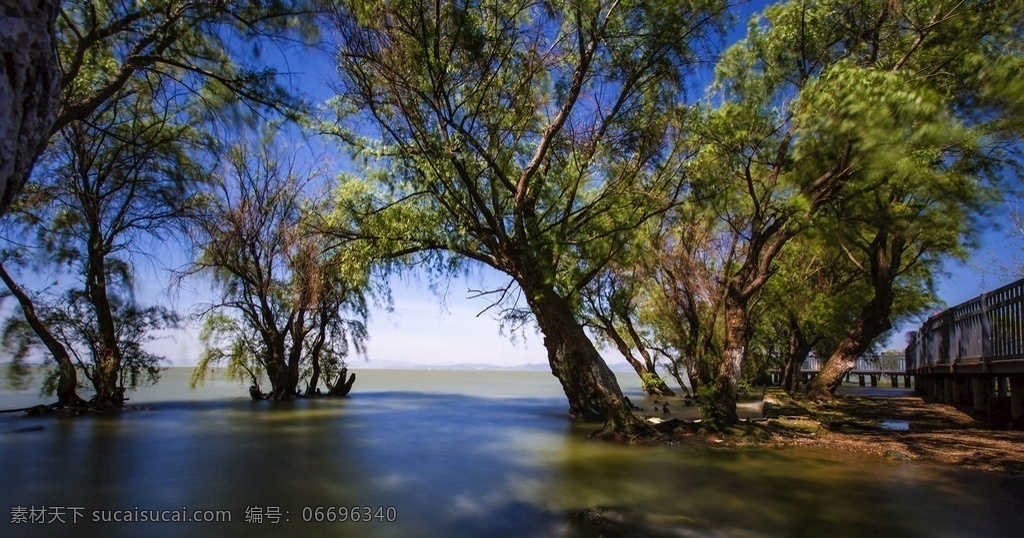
276, 363
343, 386
29, 90
107, 369
589, 384
67, 376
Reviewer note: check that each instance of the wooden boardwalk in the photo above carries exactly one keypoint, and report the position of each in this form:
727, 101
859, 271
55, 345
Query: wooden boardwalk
973, 354
866, 371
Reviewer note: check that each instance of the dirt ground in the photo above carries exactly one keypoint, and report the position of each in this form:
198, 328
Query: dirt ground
902, 426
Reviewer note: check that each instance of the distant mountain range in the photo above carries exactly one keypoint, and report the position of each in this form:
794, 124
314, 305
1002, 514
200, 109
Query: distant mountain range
406, 365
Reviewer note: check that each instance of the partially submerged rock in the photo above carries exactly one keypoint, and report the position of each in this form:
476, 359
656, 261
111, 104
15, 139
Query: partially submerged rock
612, 521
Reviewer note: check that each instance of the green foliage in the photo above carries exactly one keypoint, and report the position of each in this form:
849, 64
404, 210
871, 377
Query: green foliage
71, 317
290, 298
107, 188
105, 45
650, 382
713, 416
871, 133
513, 134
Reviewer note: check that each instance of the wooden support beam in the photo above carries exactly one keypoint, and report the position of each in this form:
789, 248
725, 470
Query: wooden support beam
982, 389
1017, 397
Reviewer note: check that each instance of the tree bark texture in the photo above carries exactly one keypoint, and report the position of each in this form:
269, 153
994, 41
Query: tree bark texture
589, 384
29, 90
108, 360
277, 366
314, 354
719, 407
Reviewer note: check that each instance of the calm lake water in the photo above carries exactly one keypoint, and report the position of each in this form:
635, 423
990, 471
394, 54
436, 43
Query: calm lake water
447, 454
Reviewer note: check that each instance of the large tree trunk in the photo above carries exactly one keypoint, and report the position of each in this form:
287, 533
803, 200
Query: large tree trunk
67, 376
29, 90
277, 367
274, 362
295, 354
590, 385
718, 405
314, 354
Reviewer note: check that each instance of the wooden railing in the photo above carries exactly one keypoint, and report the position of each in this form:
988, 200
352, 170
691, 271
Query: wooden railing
975, 334
863, 364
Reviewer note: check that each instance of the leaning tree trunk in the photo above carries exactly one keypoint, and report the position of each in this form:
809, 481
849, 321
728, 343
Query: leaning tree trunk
872, 321
29, 90
67, 376
650, 381
673, 370
591, 387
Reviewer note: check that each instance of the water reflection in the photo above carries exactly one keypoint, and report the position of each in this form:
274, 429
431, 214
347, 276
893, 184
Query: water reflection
464, 465
894, 425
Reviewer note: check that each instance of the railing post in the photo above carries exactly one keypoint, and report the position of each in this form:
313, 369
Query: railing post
986, 332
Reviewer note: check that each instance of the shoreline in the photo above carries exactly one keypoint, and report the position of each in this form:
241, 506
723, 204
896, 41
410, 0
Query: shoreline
894, 425
889, 427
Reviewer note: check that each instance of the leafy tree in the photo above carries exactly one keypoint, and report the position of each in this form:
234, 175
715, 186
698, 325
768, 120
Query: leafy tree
105, 45
70, 320
110, 185
15, 337
526, 136
105, 53
65, 60
611, 307
808, 303
286, 301
826, 102
931, 148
